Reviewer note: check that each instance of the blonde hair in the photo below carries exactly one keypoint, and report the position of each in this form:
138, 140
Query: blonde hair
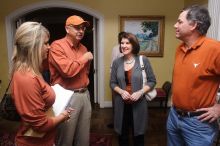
28, 43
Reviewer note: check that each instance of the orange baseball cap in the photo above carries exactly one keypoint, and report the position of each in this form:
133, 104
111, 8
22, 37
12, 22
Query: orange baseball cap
76, 20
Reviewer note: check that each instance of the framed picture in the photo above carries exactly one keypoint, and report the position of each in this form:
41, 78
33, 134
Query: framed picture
149, 30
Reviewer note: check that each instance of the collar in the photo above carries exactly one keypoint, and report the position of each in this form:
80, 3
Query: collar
71, 43
195, 46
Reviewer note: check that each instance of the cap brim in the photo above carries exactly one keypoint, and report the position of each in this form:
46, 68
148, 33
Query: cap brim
86, 23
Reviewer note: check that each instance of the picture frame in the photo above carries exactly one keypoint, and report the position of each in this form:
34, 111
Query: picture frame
149, 30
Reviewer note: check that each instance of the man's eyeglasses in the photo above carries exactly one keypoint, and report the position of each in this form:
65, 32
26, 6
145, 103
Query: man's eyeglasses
78, 27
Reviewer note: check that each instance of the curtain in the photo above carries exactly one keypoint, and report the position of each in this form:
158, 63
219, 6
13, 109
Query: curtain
214, 10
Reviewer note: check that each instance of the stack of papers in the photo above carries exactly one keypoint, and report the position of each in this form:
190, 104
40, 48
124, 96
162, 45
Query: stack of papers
63, 97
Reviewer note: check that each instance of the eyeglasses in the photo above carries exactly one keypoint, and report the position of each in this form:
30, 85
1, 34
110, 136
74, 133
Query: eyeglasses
78, 27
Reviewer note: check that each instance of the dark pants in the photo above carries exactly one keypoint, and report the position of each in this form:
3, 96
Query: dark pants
127, 126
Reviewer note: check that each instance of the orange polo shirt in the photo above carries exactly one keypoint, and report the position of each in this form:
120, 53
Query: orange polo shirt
32, 97
196, 75
67, 66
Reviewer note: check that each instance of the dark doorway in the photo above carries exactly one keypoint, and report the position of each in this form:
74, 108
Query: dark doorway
54, 19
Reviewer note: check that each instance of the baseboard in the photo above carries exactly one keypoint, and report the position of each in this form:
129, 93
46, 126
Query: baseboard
106, 104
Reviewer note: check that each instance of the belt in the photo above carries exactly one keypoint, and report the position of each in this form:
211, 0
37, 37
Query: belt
183, 113
81, 90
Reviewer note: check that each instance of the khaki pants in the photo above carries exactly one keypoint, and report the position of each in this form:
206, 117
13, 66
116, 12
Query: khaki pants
78, 127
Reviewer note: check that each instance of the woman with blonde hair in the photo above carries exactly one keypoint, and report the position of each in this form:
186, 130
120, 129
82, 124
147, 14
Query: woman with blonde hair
32, 95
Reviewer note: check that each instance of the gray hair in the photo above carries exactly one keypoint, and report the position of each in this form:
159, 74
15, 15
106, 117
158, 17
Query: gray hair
200, 15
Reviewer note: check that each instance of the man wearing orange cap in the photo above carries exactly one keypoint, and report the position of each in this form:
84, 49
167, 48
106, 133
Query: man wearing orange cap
69, 63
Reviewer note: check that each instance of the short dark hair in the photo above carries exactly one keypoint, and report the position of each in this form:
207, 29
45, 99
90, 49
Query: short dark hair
120, 35
199, 15
133, 40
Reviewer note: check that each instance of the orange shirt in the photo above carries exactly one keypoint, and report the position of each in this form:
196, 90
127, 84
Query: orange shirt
67, 67
128, 80
33, 96
196, 75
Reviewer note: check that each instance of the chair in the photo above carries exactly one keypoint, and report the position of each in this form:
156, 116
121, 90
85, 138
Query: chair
163, 94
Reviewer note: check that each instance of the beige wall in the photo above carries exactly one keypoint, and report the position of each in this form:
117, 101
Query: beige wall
111, 10
192, 2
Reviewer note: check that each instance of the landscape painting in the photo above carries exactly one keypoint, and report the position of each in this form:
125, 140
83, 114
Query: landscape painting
149, 30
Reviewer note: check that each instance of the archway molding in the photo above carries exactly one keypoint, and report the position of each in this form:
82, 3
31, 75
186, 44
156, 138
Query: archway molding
18, 13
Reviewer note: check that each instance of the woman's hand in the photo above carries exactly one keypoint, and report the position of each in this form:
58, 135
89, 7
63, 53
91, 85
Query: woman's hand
125, 95
64, 116
136, 95
67, 113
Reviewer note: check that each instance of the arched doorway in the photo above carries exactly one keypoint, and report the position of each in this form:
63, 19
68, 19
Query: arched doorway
56, 22
55, 25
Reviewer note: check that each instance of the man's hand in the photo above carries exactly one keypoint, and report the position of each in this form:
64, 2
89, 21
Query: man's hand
88, 56
211, 114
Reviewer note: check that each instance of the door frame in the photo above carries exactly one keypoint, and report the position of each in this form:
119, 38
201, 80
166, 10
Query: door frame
99, 43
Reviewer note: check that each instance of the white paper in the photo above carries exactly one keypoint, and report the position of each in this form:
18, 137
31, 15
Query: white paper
63, 97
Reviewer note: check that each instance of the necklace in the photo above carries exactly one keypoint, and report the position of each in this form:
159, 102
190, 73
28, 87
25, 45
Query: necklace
129, 61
